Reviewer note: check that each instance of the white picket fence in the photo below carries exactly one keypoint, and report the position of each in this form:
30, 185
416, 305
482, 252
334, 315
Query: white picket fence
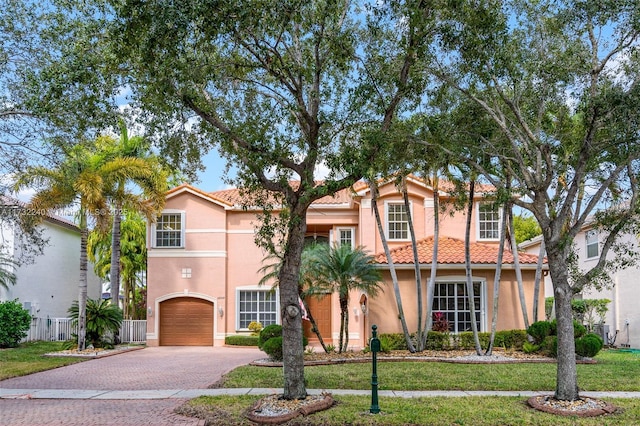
61, 329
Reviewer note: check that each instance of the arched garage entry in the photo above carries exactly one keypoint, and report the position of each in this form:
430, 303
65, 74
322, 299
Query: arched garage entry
186, 321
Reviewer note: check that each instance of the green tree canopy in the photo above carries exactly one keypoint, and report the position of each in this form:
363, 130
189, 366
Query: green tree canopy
525, 228
559, 81
279, 88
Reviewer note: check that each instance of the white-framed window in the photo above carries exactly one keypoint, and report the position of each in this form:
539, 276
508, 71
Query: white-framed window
488, 221
591, 240
397, 221
346, 236
451, 299
256, 305
168, 231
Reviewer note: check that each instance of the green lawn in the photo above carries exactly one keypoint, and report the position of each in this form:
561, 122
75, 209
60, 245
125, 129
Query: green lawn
614, 371
617, 371
27, 358
354, 410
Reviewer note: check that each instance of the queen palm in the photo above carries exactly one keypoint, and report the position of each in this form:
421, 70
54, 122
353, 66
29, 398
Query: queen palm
77, 180
341, 269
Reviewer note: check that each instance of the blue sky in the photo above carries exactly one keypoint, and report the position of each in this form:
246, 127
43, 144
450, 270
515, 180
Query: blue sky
211, 179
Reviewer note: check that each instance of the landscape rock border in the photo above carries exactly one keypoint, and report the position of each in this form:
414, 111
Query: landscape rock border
455, 357
94, 353
255, 412
584, 407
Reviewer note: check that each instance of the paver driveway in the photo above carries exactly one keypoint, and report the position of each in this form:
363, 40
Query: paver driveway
149, 368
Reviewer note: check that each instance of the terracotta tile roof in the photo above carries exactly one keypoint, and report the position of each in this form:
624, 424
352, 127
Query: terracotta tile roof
451, 251
444, 186
189, 188
234, 197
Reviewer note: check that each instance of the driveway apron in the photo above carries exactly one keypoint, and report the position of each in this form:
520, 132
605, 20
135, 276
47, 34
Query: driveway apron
165, 367
150, 368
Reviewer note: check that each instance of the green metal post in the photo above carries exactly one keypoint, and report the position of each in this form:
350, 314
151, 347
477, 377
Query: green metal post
374, 344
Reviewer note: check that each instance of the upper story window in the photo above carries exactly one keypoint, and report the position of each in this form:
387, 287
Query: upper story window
397, 221
345, 236
591, 238
169, 230
488, 221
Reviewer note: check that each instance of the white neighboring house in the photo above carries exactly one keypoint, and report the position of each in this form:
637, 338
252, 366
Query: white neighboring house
623, 315
48, 286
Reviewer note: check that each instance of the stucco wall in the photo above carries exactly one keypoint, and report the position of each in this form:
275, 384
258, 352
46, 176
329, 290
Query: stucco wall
624, 293
384, 311
51, 282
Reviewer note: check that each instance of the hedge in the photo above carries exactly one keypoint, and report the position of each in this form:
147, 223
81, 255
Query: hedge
438, 341
241, 340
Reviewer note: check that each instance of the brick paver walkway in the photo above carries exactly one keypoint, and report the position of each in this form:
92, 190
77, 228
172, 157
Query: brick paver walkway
149, 368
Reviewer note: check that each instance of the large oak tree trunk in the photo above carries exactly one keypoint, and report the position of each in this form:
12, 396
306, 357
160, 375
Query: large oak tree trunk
290, 312
567, 382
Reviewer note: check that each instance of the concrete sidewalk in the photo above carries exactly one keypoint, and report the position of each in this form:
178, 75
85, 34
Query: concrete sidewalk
192, 393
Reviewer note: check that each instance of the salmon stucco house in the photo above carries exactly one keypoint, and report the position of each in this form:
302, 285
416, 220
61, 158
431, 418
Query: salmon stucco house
203, 265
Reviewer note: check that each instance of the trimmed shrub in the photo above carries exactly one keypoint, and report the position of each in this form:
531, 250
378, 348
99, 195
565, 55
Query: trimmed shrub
270, 331
510, 339
579, 330
273, 348
589, 345
14, 323
550, 346
437, 341
466, 340
539, 330
241, 340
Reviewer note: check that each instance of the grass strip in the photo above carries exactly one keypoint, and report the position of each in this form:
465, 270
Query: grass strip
614, 371
354, 410
27, 358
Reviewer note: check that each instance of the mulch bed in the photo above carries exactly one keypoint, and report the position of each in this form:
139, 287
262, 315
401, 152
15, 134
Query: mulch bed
583, 407
273, 409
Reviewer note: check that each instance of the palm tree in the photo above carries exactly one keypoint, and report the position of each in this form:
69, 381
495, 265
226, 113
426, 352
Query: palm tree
102, 318
342, 269
128, 162
133, 256
7, 270
306, 287
79, 178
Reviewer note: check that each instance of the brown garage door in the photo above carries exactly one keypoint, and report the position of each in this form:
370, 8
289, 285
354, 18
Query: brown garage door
186, 321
